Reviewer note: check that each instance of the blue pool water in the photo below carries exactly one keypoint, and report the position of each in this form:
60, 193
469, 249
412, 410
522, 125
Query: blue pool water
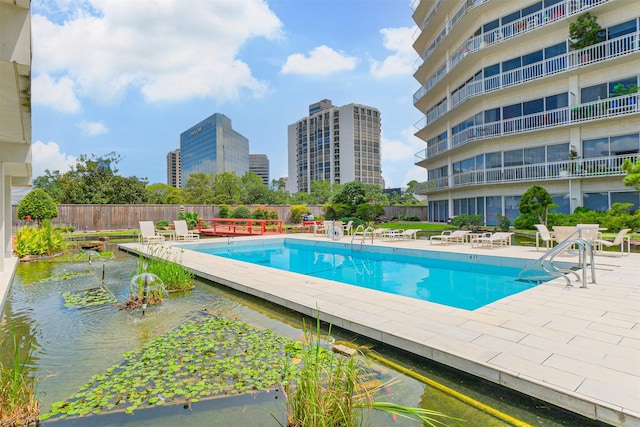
466, 285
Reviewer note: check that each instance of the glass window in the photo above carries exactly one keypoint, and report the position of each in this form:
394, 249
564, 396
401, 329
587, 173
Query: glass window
557, 152
511, 17
619, 87
534, 155
494, 205
532, 9
511, 64
626, 197
492, 115
480, 162
492, 70
511, 111
548, 3
596, 201
532, 107
513, 158
490, 26
494, 160
595, 148
625, 144
621, 29
532, 58
555, 50
554, 102
511, 204
593, 93
563, 203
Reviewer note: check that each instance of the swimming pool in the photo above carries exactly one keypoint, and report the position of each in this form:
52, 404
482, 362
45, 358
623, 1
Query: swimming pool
466, 282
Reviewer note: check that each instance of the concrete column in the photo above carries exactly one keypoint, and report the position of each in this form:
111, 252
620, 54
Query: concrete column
5, 217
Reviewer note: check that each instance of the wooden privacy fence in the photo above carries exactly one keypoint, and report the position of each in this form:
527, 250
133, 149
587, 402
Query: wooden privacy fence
126, 217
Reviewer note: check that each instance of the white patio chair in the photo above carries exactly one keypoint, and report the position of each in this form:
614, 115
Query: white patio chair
545, 235
182, 231
148, 233
619, 240
448, 236
411, 233
500, 238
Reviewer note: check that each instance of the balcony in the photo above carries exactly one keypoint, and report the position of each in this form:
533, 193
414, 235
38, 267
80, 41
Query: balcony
505, 32
571, 169
606, 108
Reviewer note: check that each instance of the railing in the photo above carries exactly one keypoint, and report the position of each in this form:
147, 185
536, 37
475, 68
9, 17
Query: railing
571, 169
239, 226
606, 108
505, 32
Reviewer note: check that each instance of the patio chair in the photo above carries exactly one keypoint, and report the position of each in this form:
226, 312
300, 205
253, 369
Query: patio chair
409, 234
448, 236
380, 232
500, 238
182, 231
348, 227
617, 241
148, 233
545, 235
589, 232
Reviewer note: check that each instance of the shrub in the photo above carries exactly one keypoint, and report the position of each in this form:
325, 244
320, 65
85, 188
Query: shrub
241, 212
503, 222
224, 211
369, 212
44, 240
38, 206
261, 212
273, 214
163, 223
296, 212
190, 217
466, 221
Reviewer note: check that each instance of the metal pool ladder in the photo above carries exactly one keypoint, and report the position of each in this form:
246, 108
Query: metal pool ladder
546, 263
361, 230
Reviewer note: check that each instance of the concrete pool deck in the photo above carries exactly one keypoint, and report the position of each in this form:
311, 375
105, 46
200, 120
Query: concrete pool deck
577, 348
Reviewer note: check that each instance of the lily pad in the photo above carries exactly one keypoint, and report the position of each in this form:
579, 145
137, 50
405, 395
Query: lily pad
88, 297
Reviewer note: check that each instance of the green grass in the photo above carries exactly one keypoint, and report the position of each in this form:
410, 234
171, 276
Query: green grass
426, 226
18, 403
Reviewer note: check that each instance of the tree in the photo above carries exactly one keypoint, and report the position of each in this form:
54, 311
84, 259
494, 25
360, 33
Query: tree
38, 206
255, 192
199, 189
163, 194
536, 202
321, 192
51, 183
227, 188
585, 31
633, 173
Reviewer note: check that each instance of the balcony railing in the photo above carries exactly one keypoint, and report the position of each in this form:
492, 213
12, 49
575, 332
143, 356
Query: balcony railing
605, 108
544, 17
571, 169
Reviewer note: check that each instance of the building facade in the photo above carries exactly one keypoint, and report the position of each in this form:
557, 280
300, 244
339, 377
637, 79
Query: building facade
173, 168
15, 118
510, 100
213, 147
259, 164
336, 144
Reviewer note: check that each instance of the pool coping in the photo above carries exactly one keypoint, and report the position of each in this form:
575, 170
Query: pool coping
581, 353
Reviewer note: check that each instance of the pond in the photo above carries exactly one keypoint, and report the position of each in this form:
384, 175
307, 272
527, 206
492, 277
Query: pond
79, 335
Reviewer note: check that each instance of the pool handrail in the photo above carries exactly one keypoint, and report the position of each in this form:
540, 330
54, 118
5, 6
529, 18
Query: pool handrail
361, 230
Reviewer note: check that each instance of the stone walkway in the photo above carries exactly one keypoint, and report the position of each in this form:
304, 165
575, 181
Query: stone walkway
577, 348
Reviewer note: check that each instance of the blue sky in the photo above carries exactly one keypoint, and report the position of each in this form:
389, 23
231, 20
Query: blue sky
130, 75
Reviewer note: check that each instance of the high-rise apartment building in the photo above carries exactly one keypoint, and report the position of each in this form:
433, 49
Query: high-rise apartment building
510, 100
336, 144
173, 168
15, 116
259, 164
213, 147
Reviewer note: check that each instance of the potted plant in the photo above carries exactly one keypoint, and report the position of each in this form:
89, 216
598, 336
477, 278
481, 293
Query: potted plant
584, 32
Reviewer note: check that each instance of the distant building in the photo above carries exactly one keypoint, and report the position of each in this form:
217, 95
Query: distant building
510, 102
173, 168
259, 164
213, 147
336, 144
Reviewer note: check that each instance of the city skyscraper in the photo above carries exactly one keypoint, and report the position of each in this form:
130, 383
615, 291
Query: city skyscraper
213, 147
259, 164
336, 144
512, 98
173, 168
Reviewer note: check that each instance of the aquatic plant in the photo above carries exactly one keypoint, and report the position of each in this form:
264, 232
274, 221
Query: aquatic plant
39, 241
204, 357
88, 297
333, 390
165, 264
18, 404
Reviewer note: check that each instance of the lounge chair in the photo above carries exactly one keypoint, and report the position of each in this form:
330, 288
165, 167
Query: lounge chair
448, 236
545, 235
589, 232
380, 232
409, 234
500, 238
182, 231
148, 233
348, 227
619, 240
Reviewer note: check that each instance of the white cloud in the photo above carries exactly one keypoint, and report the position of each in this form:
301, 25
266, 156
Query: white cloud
322, 60
396, 155
92, 128
399, 41
58, 95
48, 156
162, 48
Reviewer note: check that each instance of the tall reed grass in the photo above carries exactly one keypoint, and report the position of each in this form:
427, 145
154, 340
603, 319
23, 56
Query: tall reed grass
162, 262
18, 403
